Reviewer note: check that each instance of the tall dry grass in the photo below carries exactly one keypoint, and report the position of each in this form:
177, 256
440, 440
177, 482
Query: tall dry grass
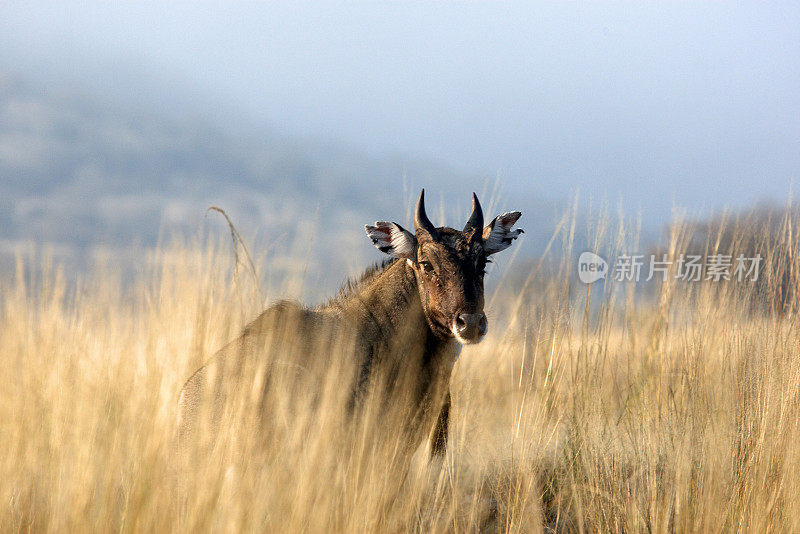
670, 407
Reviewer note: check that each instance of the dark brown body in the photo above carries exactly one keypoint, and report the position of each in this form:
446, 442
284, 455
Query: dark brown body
378, 323
393, 335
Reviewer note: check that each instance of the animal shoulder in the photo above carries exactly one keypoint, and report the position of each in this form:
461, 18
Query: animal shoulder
283, 314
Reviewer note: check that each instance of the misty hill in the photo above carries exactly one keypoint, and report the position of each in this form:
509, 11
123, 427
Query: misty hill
77, 172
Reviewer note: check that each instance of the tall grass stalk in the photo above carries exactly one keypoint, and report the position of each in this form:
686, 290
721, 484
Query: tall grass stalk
666, 407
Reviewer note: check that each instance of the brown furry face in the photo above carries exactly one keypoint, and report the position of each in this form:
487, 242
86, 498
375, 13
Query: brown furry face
449, 265
450, 270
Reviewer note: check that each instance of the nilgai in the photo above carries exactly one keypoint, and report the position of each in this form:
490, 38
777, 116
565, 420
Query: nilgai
401, 325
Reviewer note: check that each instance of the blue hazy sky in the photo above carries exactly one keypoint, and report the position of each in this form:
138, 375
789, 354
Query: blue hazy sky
691, 103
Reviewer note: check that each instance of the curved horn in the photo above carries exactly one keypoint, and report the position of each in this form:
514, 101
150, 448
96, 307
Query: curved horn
475, 221
421, 220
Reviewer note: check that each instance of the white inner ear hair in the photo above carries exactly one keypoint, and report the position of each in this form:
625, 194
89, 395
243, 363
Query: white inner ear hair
392, 239
402, 242
501, 236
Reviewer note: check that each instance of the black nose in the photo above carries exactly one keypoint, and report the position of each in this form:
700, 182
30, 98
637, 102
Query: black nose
471, 326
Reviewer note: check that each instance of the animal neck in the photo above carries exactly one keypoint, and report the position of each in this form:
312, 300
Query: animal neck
391, 307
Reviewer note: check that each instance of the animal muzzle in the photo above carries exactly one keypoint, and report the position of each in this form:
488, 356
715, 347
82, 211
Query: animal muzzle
470, 327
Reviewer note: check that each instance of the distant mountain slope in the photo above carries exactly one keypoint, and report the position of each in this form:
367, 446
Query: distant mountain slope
76, 173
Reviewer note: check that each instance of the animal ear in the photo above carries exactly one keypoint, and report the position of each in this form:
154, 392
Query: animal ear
393, 239
498, 235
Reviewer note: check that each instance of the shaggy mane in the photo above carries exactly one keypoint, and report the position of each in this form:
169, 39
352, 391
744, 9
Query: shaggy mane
354, 284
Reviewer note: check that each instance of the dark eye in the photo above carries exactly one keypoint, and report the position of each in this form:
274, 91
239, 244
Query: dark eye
427, 266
